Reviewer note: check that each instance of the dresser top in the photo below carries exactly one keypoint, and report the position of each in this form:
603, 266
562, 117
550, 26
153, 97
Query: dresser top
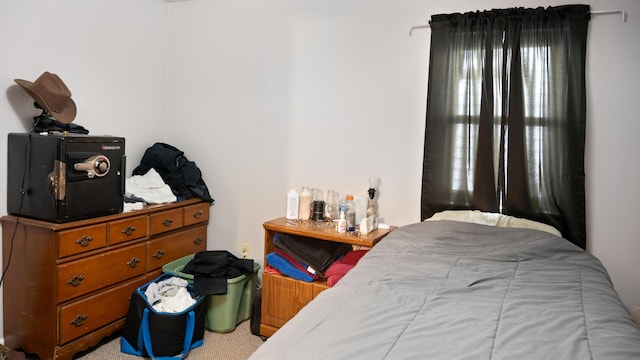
71, 224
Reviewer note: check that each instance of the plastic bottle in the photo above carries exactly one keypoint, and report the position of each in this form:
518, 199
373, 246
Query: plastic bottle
350, 213
304, 209
342, 221
293, 202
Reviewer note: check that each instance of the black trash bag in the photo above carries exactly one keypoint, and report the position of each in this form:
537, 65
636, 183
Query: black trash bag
183, 176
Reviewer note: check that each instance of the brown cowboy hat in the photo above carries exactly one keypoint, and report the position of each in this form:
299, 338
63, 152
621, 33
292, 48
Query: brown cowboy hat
52, 95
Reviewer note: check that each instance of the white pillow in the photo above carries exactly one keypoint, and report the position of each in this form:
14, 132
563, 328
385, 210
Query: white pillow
492, 219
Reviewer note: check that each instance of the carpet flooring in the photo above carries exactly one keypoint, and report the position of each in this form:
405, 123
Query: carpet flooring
236, 345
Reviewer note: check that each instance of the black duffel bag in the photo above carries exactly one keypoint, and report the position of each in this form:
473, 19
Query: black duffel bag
149, 333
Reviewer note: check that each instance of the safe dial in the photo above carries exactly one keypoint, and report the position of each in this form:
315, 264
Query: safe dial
97, 165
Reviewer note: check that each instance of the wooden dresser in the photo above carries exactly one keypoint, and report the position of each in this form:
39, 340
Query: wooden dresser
68, 285
282, 296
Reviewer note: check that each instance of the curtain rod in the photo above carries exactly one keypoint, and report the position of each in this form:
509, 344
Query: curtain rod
598, 12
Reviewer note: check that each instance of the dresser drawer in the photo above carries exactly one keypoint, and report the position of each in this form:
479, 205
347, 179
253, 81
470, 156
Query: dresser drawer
93, 312
171, 247
95, 272
82, 239
165, 221
128, 229
196, 214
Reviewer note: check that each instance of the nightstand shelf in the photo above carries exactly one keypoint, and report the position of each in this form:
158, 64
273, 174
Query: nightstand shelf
282, 296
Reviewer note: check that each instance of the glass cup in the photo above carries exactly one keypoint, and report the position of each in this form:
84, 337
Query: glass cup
331, 205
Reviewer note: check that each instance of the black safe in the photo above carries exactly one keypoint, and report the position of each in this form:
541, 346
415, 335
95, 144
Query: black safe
60, 178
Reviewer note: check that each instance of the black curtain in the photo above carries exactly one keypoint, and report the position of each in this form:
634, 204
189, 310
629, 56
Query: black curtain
506, 112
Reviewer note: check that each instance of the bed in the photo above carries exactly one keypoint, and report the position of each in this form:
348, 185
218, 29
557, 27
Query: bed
465, 285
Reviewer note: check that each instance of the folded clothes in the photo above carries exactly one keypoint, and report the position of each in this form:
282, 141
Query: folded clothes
297, 264
287, 269
318, 254
341, 267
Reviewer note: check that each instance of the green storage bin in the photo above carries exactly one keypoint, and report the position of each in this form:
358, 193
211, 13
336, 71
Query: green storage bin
224, 312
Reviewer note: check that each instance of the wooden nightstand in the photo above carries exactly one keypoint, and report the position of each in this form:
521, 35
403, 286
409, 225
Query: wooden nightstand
282, 296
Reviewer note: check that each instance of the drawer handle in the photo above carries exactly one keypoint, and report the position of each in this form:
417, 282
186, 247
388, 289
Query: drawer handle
79, 320
75, 280
198, 214
84, 241
167, 222
159, 254
133, 262
198, 240
129, 230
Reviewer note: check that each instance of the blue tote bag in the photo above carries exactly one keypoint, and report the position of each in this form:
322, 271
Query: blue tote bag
160, 335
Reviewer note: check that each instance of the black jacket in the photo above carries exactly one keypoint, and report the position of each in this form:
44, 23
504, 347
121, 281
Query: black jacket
183, 176
212, 268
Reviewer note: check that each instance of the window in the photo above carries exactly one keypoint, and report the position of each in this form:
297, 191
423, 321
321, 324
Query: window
467, 110
506, 110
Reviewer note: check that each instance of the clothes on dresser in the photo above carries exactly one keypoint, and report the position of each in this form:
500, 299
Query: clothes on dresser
182, 175
212, 268
149, 187
132, 206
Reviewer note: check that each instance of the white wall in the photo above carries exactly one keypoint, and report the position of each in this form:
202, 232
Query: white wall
267, 96
612, 165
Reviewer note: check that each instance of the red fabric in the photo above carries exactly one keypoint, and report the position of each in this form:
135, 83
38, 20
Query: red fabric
271, 270
352, 257
341, 267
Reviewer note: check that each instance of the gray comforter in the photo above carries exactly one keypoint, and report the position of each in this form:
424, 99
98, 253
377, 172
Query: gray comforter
454, 290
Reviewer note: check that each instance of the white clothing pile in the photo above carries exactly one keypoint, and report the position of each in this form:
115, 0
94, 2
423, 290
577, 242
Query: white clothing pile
150, 187
169, 295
